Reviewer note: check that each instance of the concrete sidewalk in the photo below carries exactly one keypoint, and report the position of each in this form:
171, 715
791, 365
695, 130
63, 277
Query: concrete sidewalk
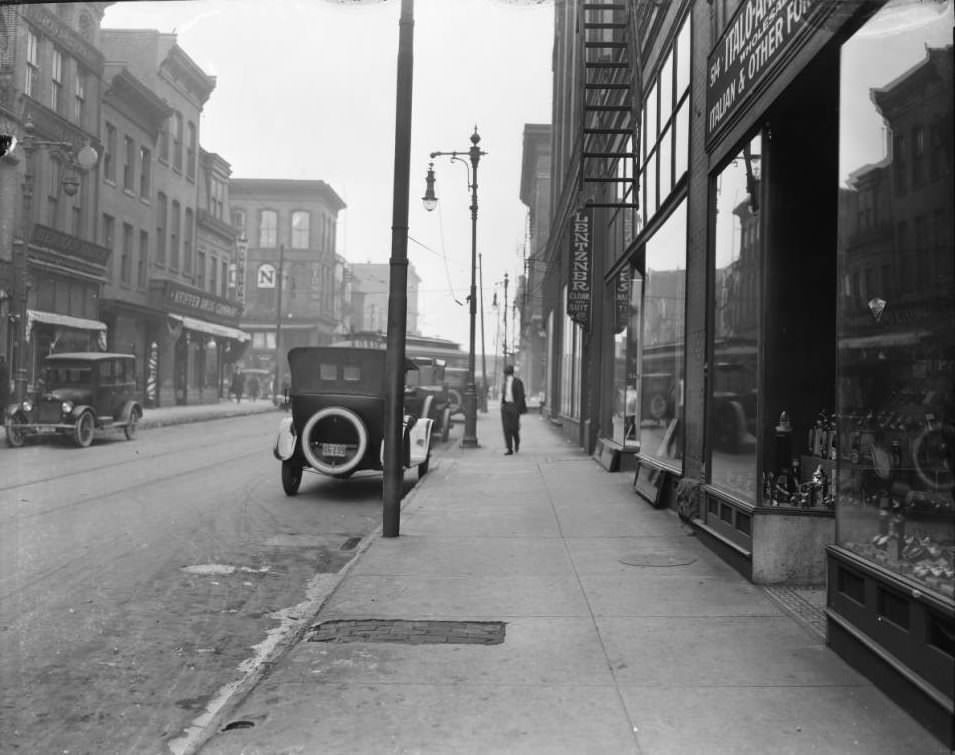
619, 633
178, 415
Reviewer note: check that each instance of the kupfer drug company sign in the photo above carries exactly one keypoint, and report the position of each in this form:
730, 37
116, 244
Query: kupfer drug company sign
760, 37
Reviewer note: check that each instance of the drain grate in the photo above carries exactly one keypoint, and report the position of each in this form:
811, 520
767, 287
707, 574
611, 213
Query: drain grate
656, 559
410, 632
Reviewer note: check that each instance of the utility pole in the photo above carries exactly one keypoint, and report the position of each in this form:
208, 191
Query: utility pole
278, 319
504, 311
483, 349
398, 281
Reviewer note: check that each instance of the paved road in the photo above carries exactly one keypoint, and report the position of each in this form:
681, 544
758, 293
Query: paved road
136, 577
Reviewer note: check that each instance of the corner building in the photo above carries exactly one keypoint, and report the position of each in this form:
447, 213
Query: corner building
291, 276
751, 302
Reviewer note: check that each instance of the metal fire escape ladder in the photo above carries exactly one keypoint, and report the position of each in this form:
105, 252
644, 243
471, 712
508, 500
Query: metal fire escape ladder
607, 131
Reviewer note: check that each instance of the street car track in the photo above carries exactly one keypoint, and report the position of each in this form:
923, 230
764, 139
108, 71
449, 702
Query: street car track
116, 462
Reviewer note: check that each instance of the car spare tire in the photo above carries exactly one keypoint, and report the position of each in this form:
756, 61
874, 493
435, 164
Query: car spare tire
334, 440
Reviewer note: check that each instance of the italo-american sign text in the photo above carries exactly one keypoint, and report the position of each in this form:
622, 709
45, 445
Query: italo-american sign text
756, 41
581, 254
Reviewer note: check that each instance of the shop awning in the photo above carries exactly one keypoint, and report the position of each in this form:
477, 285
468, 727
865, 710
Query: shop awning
64, 321
211, 328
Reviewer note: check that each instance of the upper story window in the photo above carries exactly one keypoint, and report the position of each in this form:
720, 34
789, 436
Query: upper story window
187, 233
268, 228
31, 82
191, 151
918, 156
109, 153
216, 198
238, 220
177, 142
145, 171
300, 229
164, 141
175, 222
162, 209
56, 81
79, 94
129, 163
664, 152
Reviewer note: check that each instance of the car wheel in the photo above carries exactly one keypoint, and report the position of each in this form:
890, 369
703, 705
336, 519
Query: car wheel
424, 466
446, 425
135, 415
15, 436
291, 477
83, 430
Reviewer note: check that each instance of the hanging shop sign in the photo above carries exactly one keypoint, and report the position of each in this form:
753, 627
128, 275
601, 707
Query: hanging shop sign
581, 259
265, 276
761, 36
241, 256
622, 300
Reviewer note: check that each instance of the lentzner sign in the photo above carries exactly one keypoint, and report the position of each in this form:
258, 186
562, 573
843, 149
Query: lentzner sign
581, 258
758, 38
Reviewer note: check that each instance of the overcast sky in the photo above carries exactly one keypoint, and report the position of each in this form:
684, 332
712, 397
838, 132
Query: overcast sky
306, 90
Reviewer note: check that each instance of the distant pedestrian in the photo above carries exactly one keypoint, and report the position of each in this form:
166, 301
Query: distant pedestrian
238, 384
513, 405
253, 387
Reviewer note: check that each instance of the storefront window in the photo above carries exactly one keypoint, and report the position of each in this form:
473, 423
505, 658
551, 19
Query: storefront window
735, 317
896, 306
626, 385
664, 339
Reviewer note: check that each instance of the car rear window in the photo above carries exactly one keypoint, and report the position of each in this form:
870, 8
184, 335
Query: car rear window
328, 372
352, 373
69, 375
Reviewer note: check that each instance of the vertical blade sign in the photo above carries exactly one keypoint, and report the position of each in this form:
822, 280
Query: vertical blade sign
622, 301
581, 254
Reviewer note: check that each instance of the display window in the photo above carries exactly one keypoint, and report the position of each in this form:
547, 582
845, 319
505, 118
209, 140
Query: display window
663, 342
737, 261
896, 300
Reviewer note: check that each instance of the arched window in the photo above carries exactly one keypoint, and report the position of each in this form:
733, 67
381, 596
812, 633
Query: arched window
301, 222
268, 228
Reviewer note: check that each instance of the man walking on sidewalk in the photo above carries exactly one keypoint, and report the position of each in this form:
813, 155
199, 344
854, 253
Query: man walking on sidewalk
513, 405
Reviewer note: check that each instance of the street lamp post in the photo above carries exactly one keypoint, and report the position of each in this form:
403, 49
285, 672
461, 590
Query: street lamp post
83, 159
430, 201
504, 310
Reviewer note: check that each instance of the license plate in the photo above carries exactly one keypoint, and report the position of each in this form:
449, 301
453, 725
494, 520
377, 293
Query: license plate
334, 449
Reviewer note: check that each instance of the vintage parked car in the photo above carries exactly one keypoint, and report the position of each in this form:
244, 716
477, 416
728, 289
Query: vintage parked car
79, 393
457, 380
337, 422
429, 397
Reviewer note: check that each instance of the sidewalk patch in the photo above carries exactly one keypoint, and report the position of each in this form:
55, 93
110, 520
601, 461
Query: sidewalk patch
409, 632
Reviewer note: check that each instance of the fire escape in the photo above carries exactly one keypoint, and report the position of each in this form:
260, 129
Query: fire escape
608, 134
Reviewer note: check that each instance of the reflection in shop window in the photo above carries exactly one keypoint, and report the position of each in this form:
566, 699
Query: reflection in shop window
664, 339
735, 317
896, 342
626, 383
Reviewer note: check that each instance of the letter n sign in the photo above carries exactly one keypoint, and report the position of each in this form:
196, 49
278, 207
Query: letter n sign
581, 256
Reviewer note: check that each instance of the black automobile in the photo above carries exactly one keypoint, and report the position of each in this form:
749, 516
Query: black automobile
78, 393
337, 422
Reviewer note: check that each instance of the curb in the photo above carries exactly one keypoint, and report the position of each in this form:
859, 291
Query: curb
233, 694
150, 423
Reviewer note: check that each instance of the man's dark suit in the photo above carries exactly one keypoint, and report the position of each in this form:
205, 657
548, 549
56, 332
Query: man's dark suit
511, 412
